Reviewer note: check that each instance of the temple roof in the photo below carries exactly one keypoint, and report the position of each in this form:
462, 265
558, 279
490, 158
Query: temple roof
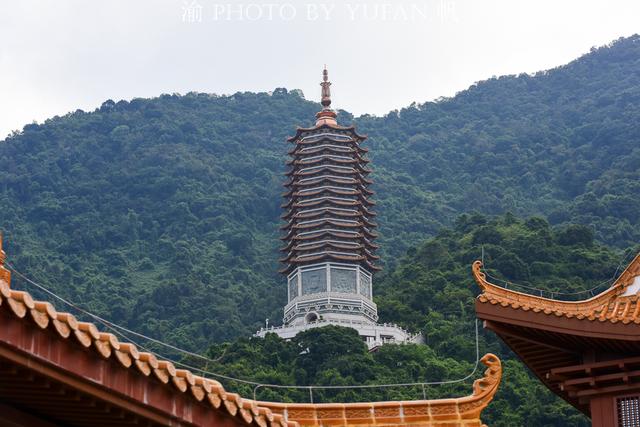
463, 411
619, 303
578, 349
43, 350
18, 307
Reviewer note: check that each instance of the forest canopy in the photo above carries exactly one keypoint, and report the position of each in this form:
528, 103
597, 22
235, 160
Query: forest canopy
162, 215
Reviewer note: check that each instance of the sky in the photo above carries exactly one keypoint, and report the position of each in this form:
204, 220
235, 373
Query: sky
59, 56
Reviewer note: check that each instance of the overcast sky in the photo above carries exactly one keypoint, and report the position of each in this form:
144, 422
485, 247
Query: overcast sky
58, 56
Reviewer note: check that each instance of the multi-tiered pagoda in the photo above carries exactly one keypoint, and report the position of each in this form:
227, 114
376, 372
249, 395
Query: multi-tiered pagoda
329, 250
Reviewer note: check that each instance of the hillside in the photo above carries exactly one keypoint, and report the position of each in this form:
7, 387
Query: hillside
162, 213
430, 292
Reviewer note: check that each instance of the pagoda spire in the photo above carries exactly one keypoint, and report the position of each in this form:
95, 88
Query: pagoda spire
328, 253
326, 89
326, 116
5, 274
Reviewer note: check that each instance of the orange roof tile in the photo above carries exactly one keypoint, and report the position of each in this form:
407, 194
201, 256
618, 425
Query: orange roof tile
107, 345
464, 411
555, 338
619, 303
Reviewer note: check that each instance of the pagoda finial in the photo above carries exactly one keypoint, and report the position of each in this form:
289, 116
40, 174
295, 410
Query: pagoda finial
4, 273
327, 116
326, 90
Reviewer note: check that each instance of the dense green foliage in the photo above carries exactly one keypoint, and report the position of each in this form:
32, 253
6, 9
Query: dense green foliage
162, 214
432, 288
309, 358
564, 143
431, 291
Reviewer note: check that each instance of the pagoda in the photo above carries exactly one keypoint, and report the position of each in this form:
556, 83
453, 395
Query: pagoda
329, 251
587, 352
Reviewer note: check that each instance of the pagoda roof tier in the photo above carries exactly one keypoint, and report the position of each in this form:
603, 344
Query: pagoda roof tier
304, 147
323, 221
344, 234
361, 221
313, 213
554, 337
340, 226
334, 234
351, 130
328, 149
329, 201
334, 190
302, 213
329, 193
292, 263
302, 254
319, 211
361, 176
335, 222
306, 161
56, 367
333, 168
319, 175
351, 245
305, 203
358, 237
329, 243
356, 189
314, 180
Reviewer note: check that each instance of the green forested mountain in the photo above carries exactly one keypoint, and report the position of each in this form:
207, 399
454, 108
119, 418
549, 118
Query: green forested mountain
162, 214
430, 291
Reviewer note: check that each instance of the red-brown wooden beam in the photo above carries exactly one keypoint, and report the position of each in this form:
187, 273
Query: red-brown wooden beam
46, 354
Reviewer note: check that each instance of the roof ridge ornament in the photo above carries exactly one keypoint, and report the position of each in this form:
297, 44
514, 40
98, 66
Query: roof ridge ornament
4, 273
326, 116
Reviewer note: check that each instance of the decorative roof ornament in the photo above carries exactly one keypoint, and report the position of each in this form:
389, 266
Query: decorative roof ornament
326, 89
582, 350
52, 337
326, 116
4, 273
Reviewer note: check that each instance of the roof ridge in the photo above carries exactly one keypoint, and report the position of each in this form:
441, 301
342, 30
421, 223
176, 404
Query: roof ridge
107, 345
612, 304
211, 392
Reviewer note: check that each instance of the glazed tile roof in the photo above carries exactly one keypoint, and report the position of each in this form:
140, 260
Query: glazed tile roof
619, 303
464, 411
107, 346
578, 349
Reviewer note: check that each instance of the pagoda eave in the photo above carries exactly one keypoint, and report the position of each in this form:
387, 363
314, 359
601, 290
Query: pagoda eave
587, 352
301, 130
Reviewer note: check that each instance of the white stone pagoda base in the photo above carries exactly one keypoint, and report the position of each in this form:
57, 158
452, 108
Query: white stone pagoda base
373, 334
